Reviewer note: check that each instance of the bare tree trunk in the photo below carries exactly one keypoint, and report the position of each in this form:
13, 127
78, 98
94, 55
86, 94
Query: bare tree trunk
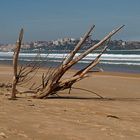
15, 64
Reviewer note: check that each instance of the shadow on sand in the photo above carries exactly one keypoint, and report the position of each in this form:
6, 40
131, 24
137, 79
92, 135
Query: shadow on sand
95, 98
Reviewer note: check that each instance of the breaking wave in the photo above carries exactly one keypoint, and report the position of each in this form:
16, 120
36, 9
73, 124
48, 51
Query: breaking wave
113, 59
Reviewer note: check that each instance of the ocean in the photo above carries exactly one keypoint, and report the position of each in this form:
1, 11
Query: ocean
111, 60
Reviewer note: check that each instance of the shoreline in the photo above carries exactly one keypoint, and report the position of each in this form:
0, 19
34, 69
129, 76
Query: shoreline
110, 62
105, 68
113, 73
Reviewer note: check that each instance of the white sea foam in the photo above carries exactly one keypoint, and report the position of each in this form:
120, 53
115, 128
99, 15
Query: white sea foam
61, 55
121, 63
117, 59
86, 62
114, 63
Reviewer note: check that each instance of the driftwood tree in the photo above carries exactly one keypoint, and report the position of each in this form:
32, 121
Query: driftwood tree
53, 82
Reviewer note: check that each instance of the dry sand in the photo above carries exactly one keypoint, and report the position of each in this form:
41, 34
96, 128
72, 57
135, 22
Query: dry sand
78, 116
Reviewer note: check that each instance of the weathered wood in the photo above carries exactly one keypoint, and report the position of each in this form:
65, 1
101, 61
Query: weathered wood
21, 73
15, 64
84, 54
54, 82
78, 46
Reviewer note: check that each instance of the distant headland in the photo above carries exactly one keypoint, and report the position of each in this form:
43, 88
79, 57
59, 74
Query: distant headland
66, 44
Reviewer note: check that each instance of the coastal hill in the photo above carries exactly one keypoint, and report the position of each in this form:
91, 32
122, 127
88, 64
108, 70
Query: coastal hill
66, 44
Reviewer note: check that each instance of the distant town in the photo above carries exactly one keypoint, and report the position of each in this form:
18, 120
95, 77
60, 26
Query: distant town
66, 44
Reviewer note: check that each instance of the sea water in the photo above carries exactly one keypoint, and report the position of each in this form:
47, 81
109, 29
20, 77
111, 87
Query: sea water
112, 60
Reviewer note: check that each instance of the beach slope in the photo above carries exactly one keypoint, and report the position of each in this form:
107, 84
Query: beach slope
80, 115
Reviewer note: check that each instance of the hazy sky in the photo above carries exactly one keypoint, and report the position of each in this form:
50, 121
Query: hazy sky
52, 19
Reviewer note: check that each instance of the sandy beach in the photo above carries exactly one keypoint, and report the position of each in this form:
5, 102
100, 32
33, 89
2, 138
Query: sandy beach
80, 115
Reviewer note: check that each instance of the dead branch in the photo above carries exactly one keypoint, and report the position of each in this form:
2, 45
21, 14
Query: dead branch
51, 81
15, 64
54, 82
78, 46
22, 74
